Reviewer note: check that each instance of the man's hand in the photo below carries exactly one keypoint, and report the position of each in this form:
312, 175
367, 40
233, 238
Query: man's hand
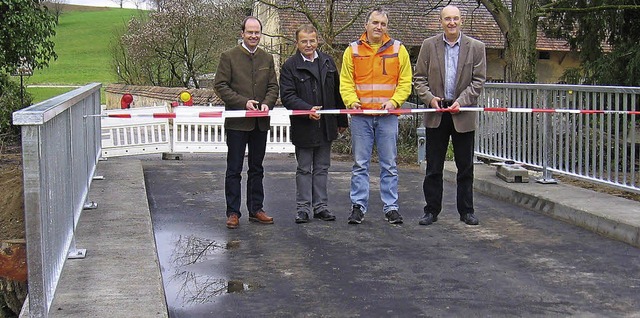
356, 105
264, 107
454, 108
251, 104
435, 102
315, 116
388, 105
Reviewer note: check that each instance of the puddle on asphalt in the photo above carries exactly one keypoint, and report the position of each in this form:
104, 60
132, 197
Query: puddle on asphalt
200, 289
194, 274
189, 250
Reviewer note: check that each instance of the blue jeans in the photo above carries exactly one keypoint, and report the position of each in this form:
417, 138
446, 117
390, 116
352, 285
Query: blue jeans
383, 130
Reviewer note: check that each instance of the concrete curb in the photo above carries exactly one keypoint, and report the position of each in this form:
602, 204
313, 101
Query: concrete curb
120, 277
608, 215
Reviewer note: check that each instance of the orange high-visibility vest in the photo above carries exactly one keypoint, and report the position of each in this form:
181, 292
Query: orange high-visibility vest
375, 73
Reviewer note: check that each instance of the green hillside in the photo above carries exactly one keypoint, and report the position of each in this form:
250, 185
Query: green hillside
82, 42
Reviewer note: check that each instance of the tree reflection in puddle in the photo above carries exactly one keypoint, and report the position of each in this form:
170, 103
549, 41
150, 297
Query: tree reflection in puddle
190, 250
195, 288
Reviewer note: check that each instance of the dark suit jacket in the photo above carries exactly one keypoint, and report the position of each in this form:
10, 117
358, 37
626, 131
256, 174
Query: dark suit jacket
470, 77
241, 77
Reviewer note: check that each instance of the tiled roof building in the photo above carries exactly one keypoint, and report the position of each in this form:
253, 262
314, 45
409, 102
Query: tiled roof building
413, 21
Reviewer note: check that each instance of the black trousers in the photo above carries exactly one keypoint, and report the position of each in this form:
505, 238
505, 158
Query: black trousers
256, 143
437, 143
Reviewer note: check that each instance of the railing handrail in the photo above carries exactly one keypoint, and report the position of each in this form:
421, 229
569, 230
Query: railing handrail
567, 87
60, 150
40, 113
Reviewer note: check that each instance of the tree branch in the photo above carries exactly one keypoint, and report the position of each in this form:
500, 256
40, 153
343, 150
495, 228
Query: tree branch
547, 9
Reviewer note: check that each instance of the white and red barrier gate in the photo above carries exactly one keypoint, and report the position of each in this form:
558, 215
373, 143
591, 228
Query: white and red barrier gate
194, 129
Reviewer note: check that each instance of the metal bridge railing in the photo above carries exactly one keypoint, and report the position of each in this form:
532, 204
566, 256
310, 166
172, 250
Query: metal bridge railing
598, 146
60, 150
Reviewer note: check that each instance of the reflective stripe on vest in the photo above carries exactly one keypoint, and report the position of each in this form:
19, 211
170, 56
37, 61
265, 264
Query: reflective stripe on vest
371, 100
376, 87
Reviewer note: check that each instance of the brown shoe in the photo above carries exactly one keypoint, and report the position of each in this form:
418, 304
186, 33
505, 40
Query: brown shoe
233, 221
261, 217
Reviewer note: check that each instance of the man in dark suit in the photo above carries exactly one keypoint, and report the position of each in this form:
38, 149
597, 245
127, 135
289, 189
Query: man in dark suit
450, 73
309, 80
246, 80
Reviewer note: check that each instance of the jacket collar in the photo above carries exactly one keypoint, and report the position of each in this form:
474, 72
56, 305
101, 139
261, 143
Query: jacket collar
322, 59
305, 59
302, 64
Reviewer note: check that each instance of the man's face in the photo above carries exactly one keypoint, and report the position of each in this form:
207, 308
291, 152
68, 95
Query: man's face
451, 22
307, 43
251, 34
376, 27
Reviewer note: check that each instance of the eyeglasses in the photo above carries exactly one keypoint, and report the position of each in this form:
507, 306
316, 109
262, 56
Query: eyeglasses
308, 42
451, 19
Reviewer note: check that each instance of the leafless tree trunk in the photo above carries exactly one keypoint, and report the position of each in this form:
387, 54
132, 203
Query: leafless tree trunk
519, 26
119, 2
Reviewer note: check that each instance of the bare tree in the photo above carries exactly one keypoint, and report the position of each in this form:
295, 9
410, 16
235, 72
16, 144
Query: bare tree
178, 43
158, 5
56, 6
145, 4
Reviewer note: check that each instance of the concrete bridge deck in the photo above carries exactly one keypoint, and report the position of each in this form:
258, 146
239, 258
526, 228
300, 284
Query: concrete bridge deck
518, 262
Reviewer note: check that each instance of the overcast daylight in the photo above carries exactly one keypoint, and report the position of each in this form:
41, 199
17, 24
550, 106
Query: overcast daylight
107, 3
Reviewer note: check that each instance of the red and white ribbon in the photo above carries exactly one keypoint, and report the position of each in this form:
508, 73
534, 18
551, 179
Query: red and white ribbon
401, 111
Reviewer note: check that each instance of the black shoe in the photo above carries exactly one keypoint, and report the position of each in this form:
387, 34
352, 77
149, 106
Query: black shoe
427, 219
393, 217
357, 215
469, 219
302, 217
324, 216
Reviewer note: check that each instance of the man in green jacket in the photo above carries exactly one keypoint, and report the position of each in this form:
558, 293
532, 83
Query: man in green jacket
246, 80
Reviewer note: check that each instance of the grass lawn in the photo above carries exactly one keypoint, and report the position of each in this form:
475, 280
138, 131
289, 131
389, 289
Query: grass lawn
43, 93
82, 43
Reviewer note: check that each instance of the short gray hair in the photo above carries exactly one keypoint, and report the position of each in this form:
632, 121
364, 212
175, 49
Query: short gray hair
380, 10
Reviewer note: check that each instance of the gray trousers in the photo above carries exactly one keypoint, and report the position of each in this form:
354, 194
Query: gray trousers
311, 178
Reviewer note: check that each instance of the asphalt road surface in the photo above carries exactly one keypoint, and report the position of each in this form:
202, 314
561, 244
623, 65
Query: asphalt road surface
515, 263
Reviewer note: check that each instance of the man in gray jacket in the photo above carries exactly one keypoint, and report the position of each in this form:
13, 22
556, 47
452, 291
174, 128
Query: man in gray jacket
246, 80
450, 73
